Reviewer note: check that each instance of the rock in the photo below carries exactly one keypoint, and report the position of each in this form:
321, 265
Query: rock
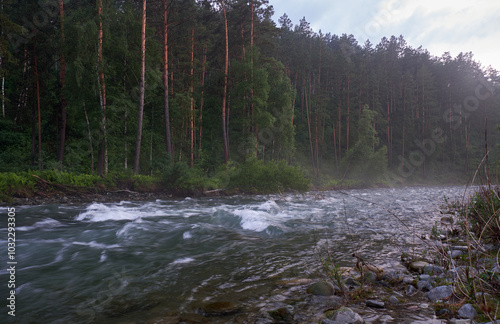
410, 290
345, 315
393, 300
375, 303
418, 266
423, 306
433, 269
321, 288
425, 277
220, 308
369, 277
283, 314
424, 285
447, 220
393, 276
455, 253
439, 293
467, 311
443, 312
352, 282
461, 321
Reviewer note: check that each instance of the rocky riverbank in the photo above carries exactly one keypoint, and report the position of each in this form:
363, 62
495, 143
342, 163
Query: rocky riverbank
441, 287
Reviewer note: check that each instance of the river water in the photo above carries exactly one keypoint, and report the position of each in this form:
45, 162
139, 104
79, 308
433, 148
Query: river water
143, 261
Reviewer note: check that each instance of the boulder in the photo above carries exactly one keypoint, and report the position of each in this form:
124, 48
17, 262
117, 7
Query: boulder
345, 315
467, 311
439, 293
418, 266
321, 288
283, 314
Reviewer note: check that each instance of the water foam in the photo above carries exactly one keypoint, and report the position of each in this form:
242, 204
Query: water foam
253, 220
46, 223
183, 260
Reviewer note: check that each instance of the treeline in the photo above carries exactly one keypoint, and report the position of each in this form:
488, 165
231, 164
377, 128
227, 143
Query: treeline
113, 85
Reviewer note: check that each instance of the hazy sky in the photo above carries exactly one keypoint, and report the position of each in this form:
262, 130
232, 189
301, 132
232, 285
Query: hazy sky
438, 25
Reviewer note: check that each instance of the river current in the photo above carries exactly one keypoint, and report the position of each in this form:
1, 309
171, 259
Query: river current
144, 261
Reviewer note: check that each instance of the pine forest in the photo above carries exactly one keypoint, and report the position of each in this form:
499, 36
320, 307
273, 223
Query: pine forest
182, 90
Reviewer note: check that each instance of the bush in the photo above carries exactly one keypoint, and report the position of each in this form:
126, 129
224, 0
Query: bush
483, 211
254, 176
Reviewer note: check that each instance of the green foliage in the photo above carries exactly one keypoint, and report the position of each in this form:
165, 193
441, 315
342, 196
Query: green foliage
362, 162
483, 213
255, 176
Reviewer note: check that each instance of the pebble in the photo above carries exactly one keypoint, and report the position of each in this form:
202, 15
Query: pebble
375, 303
393, 300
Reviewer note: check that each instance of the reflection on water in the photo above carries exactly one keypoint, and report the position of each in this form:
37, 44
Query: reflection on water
111, 262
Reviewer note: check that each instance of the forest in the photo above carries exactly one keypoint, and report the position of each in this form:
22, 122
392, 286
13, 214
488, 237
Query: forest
164, 88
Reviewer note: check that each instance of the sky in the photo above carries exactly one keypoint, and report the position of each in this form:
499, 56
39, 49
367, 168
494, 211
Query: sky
437, 25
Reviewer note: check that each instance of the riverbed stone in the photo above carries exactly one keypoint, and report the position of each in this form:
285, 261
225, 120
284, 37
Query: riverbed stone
433, 269
461, 321
345, 315
439, 293
369, 277
283, 314
424, 285
455, 253
410, 290
321, 288
393, 300
375, 303
418, 266
467, 311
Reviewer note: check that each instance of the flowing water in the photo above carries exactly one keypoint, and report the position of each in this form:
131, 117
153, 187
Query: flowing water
144, 261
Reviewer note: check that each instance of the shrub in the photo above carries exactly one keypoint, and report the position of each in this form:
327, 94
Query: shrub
483, 211
254, 176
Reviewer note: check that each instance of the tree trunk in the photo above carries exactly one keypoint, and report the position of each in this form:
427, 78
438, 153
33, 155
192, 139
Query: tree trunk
191, 111
141, 90
102, 164
37, 78
202, 95
224, 96
90, 139
62, 99
168, 136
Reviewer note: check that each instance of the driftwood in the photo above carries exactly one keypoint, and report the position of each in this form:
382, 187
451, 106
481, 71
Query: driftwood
126, 191
215, 192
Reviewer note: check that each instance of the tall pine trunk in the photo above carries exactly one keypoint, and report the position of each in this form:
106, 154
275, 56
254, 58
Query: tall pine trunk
168, 136
202, 95
62, 99
102, 163
141, 90
225, 137
191, 110
37, 79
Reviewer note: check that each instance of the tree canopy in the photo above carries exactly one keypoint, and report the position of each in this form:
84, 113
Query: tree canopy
222, 82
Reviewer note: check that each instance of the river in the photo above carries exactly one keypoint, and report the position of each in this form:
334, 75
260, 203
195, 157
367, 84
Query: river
143, 261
